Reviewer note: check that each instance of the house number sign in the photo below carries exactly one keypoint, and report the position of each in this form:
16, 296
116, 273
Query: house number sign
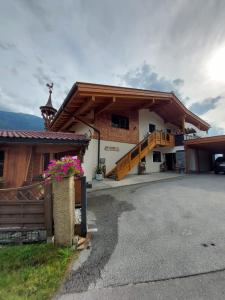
108, 148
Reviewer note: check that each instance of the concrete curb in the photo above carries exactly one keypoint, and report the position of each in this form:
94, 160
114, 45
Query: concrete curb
135, 184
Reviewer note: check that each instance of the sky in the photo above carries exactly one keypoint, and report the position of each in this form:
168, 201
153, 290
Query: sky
165, 45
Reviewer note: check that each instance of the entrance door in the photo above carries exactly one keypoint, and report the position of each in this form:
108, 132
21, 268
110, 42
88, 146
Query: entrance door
170, 161
151, 128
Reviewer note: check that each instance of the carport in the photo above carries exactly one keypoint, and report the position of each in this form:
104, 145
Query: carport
200, 153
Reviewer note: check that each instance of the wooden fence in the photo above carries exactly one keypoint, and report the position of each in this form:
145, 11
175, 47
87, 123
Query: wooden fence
27, 208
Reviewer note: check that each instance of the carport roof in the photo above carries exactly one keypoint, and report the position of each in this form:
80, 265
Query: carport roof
214, 144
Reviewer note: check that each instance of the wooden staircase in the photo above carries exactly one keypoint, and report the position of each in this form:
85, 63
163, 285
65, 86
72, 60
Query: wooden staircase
142, 149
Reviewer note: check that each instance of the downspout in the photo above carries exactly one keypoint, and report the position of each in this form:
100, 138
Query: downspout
99, 136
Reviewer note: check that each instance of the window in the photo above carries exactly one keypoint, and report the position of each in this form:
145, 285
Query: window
151, 128
120, 122
2, 156
156, 156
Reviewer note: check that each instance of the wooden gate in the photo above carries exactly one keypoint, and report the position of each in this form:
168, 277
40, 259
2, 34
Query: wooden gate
26, 209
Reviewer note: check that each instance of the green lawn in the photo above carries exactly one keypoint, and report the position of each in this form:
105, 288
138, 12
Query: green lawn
32, 271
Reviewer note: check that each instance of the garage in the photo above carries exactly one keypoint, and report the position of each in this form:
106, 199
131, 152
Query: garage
201, 153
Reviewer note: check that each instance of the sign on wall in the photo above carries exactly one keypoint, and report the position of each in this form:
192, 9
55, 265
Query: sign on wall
109, 148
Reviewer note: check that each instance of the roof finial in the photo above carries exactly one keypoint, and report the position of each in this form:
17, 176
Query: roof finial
48, 111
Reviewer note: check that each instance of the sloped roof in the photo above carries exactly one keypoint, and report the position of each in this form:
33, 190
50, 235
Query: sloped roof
85, 97
42, 136
214, 144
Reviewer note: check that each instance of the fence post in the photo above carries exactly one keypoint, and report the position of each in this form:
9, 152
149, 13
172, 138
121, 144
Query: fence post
63, 211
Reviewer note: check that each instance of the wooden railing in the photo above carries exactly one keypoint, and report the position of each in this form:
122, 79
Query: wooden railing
134, 156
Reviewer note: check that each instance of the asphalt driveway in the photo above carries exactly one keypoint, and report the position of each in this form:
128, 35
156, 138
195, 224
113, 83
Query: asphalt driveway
152, 233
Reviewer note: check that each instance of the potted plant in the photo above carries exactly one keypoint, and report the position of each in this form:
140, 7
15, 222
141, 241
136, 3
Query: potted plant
65, 167
99, 173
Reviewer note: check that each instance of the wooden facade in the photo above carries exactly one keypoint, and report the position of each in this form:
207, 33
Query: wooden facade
23, 162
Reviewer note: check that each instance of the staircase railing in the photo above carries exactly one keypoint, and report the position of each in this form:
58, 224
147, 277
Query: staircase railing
134, 156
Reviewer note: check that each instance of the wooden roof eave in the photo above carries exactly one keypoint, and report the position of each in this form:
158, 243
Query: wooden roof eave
94, 90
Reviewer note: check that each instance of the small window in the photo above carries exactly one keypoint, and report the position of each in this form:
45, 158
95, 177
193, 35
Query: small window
156, 156
151, 128
120, 122
2, 156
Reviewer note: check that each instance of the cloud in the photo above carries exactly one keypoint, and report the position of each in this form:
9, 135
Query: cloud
41, 77
216, 131
7, 46
144, 77
68, 41
205, 105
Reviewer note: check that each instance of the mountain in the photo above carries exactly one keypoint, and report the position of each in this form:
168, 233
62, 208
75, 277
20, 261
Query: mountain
12, 120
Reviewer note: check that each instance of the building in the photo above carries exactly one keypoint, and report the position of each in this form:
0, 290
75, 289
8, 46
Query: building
24, 155
127, 126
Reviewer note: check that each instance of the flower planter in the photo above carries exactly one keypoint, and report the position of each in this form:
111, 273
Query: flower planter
99, 177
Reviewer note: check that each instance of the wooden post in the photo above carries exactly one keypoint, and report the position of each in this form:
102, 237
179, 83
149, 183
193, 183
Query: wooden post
186, 159
183, 124
197, 161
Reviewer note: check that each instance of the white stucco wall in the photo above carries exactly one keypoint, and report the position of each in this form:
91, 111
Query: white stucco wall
145, 118
90, 157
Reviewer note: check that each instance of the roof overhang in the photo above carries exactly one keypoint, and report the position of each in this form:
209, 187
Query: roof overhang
86, 97
212, 144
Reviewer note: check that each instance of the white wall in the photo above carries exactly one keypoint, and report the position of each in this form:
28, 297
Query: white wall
90, 157
146, 117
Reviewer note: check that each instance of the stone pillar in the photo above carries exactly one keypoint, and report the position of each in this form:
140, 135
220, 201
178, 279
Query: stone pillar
63, 211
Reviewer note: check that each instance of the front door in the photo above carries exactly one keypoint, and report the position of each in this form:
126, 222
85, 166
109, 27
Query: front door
151, 128
170, 161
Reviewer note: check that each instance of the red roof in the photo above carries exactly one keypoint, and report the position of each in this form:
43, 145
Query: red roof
42, 135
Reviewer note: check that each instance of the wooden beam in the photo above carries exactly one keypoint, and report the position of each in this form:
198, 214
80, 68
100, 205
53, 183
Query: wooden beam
186, 149
183, 124
105, 107
85, 106
127, 96
68, 124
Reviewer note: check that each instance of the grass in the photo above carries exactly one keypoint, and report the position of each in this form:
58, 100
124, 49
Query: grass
32, 271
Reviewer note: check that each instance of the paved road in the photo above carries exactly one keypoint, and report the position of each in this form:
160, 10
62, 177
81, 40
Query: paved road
163, 240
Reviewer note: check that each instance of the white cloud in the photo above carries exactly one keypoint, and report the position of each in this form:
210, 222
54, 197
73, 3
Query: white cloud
97, 41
